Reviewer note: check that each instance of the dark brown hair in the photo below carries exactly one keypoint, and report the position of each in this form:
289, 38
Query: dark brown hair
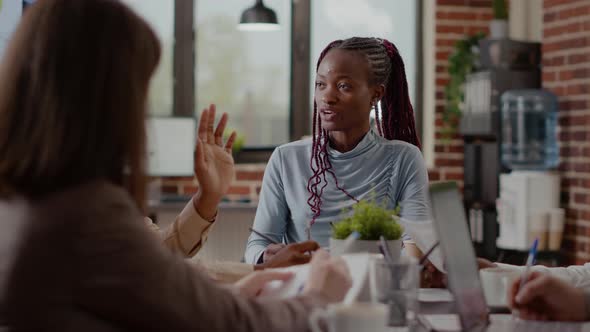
394, 122
73, 90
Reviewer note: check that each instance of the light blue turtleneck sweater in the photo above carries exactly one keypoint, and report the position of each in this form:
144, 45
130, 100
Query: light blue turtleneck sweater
393, 170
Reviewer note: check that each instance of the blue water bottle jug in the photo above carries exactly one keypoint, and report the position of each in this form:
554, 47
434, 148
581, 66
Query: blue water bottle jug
529, 130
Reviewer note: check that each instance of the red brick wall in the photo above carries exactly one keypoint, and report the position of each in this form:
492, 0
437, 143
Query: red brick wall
454, 20
246, 184
566, 72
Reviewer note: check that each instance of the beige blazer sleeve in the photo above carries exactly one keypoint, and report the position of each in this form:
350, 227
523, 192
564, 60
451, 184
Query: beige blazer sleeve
224, 272
190, 230
123, 278
187, 234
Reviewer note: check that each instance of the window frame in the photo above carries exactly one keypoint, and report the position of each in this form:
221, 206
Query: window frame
183, 87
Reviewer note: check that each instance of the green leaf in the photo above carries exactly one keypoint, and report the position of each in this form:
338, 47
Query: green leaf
461, 63
500, 10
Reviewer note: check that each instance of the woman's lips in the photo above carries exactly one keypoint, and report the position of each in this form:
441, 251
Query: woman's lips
328, 115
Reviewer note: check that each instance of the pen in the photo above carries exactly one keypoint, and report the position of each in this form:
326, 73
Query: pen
425, 256
529, 262
386, 251
266, 237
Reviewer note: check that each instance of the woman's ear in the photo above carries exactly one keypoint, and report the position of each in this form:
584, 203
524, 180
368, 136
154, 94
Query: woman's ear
378, 93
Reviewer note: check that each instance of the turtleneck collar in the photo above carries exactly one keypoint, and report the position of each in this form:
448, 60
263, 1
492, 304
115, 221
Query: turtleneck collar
365, 144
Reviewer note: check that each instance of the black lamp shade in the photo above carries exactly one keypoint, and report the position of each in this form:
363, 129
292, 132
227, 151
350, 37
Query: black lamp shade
259, 17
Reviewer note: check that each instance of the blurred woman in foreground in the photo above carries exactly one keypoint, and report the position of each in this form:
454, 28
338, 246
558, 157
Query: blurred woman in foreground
75, 254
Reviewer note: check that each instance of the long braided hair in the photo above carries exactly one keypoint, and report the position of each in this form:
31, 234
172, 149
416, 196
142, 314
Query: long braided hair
394, 122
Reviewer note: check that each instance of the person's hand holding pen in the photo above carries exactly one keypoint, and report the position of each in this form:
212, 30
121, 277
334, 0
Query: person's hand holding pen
529, 262
431, 277
544, 297
287, 255
282, 255
272, 250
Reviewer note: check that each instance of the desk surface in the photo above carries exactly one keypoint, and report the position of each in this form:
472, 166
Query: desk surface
500, 322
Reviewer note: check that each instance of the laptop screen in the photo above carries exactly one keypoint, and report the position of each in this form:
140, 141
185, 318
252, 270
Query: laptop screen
459, 255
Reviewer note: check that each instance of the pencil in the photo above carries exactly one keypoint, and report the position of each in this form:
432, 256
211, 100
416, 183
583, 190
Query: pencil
425, 256
529, 263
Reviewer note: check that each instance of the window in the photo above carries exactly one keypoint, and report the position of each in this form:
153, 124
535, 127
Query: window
392, 20
264, 79
245, 73
160, 15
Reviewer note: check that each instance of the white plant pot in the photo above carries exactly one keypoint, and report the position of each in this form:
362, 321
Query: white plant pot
336, 247
498, 29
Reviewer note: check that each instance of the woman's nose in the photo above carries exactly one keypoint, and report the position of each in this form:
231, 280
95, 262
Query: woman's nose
329, 97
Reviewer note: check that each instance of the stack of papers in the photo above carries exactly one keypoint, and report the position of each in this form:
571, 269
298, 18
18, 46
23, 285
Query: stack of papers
358, 264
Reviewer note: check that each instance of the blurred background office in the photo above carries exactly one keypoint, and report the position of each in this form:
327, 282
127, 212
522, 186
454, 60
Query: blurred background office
457, 56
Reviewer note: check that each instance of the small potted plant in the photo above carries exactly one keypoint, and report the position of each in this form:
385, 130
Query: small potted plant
499, 25
371, 220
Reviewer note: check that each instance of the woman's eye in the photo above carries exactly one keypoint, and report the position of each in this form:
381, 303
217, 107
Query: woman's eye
343, 86
319, 84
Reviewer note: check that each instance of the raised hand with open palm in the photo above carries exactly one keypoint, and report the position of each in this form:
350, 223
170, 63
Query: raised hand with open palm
214, 164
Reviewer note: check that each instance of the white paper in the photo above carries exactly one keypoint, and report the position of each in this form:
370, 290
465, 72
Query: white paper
358, 264
434, 295
441, 322
283, 290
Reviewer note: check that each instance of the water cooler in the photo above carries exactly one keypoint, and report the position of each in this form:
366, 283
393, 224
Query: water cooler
503, 65
530, 193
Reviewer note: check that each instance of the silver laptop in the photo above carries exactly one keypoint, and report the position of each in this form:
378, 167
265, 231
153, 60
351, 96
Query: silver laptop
459, 255
463, 275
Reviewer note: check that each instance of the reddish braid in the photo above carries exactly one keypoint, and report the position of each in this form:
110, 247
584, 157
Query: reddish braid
398, 114
394, 122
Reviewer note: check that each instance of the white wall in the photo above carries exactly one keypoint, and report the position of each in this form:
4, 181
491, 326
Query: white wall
526, 20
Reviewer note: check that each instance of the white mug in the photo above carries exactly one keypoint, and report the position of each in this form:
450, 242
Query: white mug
495, 282
353, 317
